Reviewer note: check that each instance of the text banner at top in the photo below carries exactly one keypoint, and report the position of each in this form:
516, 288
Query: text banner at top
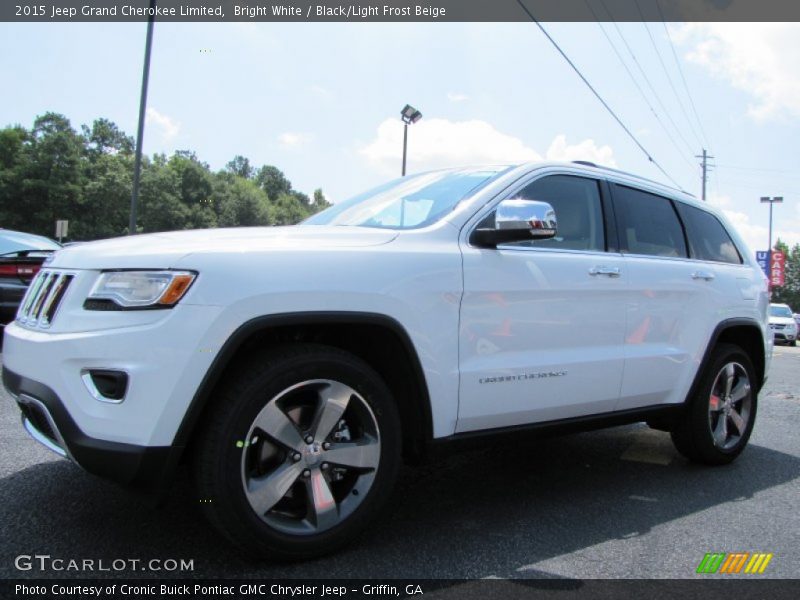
401, 11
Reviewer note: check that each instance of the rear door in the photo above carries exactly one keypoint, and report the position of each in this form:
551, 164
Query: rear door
671, 305
543, 322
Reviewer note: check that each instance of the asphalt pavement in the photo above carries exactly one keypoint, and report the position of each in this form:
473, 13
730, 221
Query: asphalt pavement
609, 504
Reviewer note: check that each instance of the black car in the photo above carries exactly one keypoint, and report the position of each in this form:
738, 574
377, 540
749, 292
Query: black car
21, 257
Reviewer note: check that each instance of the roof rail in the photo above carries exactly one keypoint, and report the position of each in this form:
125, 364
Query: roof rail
587, 163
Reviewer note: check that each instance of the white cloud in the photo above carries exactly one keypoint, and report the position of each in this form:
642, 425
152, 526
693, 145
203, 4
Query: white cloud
585, 150
437, 143
167, 127
761, 59
457, 97
787, 228
294, 139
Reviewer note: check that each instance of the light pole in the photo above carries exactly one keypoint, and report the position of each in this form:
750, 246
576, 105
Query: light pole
410, 115
771, 201
137, 161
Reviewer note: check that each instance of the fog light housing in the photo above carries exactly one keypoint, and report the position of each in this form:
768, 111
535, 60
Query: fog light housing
106, 385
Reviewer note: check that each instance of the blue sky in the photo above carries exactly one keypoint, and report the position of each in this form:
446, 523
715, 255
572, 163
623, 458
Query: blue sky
321, 101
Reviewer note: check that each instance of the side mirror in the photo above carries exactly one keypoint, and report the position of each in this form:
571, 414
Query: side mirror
518, 220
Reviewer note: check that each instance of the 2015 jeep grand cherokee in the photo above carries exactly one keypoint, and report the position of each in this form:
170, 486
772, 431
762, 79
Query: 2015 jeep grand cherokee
295, 367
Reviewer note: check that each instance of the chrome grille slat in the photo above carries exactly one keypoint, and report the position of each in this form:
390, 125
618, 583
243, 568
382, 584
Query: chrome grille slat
30, 296
43, 298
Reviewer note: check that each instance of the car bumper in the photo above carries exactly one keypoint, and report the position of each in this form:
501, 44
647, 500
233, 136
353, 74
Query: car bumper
46, 419
164, 360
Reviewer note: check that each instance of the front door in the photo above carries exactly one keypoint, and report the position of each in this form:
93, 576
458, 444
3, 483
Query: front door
543, 322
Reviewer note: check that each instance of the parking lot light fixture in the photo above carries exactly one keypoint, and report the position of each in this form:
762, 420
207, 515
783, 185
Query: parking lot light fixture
410, 115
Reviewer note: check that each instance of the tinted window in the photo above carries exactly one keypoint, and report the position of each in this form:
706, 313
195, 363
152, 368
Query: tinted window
576, 201
708, 239
648, 224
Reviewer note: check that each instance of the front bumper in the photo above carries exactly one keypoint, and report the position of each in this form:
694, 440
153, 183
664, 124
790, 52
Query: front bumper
48, 422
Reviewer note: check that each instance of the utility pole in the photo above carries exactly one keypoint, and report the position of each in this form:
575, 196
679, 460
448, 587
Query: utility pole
705, 156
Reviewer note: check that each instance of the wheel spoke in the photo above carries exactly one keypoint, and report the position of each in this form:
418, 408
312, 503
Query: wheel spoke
265, 492
277, 424
740, 391
730, 373
721, 430
358, 455
738, 421
335, 398
321, 500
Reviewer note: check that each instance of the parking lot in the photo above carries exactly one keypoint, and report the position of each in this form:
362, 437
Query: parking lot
609, 504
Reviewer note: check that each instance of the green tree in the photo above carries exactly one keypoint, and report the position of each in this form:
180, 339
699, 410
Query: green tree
52, 174
105, 137
320, 202
105, 199
12, 163
240, 202
273, 181
240, 166
161, 208
288, 210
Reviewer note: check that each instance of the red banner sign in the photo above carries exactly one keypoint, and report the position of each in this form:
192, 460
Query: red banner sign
776, 270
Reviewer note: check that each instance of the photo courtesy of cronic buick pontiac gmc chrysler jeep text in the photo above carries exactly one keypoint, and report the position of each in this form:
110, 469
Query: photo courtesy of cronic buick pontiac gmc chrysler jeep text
294, 368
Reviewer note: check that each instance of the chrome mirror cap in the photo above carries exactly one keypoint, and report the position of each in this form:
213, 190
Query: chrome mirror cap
518, 220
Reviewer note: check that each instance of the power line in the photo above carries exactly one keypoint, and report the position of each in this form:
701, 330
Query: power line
647, 80
636, 83
597, 95
683, 77
666, 72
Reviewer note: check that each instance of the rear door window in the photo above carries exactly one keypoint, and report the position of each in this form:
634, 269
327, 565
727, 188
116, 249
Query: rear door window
648, 224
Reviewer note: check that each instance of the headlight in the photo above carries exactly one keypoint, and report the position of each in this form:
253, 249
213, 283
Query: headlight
116, 290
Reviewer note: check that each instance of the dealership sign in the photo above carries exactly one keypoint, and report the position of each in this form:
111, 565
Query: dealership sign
776, 269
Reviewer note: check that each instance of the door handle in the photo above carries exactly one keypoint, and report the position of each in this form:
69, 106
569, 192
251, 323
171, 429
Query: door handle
603, 270
705, 275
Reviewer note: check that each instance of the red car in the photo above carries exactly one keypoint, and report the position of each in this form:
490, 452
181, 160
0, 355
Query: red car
21, 256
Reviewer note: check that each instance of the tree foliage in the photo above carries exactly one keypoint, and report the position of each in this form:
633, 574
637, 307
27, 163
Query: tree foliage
789, 293
51, 172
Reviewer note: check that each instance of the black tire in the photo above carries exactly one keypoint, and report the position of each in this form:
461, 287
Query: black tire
692, 434
218, 456
793, 343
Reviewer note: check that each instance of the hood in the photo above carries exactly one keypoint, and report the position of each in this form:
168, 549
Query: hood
782, 321
164, 250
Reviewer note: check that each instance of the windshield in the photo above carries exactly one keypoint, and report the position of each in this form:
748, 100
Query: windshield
780, 311
409, 202
13, 242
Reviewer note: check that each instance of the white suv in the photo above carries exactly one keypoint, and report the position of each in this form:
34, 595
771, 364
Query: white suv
294, 368
783, 324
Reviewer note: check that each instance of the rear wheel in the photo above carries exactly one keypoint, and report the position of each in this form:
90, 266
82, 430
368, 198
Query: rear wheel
719, 417
299, 453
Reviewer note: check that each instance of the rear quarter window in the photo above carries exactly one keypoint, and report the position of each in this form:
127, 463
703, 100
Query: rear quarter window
708, 239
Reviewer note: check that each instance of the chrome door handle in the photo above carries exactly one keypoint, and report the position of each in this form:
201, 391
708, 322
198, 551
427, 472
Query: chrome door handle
603, 270
705, 275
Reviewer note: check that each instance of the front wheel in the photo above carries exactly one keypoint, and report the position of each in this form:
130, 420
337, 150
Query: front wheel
299, 453
719, 417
